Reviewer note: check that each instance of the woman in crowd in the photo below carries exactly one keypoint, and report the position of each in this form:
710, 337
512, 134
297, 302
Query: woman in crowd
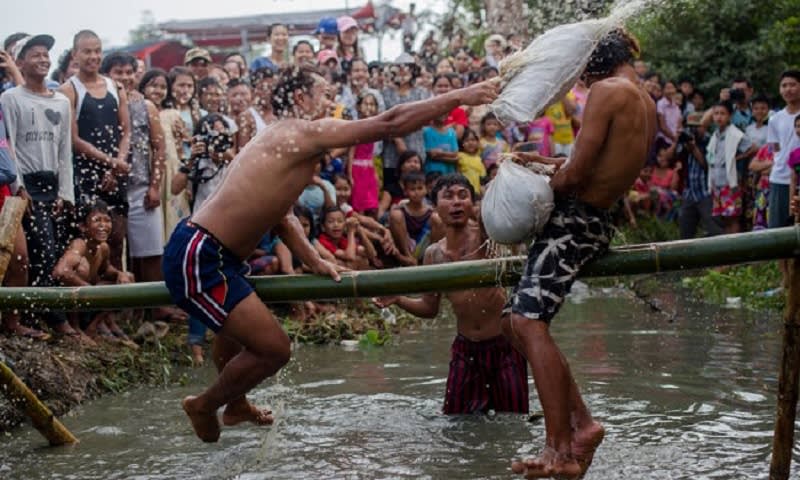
303, 52
279, 41
347, 47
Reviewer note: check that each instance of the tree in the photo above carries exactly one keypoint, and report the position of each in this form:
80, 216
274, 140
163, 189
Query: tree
147, 30
506, 17
714, 41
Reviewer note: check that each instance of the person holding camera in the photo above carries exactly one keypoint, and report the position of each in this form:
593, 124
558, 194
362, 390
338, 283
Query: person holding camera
696, 201
204, 171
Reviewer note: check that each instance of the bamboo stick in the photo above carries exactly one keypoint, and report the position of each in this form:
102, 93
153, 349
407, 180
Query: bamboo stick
14, 389
10, 220
637, 259
22, 397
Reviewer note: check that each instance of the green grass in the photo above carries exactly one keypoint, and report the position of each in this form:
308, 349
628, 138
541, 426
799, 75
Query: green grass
748, 282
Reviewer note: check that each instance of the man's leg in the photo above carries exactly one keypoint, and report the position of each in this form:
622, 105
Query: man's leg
266, 350
119, 229
397, 225
711, 226
688, 219
558, 395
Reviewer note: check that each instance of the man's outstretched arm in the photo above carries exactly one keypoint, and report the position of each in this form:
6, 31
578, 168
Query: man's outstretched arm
399, 120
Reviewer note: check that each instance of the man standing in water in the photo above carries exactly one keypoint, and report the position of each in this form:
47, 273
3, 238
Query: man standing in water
486, 372
204, 259
616, 135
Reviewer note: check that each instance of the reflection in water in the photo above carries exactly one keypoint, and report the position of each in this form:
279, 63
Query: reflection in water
683, 396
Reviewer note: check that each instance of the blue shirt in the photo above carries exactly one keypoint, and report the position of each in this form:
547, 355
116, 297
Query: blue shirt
696, 177
436, 140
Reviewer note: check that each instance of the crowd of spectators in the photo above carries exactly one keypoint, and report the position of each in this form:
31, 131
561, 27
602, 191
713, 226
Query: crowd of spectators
111, 155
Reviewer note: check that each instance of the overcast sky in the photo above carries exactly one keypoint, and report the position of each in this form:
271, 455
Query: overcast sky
112, 19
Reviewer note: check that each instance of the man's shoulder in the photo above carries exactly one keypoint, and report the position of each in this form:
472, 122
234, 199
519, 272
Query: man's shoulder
434, 254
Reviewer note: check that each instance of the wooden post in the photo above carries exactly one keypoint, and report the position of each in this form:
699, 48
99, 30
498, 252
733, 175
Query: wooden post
14, 389
789, 379
10, 219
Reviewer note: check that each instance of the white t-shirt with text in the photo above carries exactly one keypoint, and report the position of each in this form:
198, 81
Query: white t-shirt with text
781, 131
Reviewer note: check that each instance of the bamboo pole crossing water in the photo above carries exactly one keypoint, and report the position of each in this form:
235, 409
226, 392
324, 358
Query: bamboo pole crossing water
630, 260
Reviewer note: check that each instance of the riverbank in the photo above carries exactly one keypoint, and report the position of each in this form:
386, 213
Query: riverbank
65, 373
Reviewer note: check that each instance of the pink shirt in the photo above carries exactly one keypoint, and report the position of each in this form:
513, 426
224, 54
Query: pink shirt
539, 132
672, 117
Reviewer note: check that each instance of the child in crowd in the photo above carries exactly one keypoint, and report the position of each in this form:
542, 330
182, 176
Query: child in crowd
361, 164
540, 135
338, 241
469, 159
86, 262
408, 161
271, 257
794, 166
760, 168
441, 147
728, 145
410, 222
639, 197
664, 181
491, 145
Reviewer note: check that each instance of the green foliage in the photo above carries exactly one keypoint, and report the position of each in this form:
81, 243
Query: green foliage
363, 324
748, 282
649, 229
713, 42
374, 338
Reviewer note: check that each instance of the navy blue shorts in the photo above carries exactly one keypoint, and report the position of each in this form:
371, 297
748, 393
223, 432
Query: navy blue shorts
204, 278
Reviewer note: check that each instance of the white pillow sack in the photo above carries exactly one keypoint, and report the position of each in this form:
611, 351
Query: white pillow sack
517, 204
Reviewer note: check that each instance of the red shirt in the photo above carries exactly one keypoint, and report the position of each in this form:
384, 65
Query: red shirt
329, 244
458, 117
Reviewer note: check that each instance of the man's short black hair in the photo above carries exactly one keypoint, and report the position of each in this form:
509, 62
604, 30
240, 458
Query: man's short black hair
260, 74
207, 83
616, 48
327, 211
86, 208
760, 98
83, 34
117, 59
235, 82
742, 80
299, 77
726, 105
449, 180
12, 39
412, 177
795, 74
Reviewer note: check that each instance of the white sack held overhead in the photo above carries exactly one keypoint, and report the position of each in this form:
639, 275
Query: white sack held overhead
545, 71
517, 204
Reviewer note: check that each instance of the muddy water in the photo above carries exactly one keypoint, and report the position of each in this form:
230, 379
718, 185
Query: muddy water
689, 396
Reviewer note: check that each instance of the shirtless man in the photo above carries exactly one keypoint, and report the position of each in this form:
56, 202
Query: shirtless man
618, 130
203, 259
486, 372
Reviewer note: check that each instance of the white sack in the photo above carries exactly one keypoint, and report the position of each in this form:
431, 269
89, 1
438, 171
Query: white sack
544, 72
517, 204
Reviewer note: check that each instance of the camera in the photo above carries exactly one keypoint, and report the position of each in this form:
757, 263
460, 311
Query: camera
737, 95
217, 142
685, 136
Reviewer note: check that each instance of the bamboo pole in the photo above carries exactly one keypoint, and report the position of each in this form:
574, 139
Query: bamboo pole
789, 378
14, 389
632, 260
10, 219
22, 397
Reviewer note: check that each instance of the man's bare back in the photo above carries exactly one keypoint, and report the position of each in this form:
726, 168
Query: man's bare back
477, 310
262, 184
620, 126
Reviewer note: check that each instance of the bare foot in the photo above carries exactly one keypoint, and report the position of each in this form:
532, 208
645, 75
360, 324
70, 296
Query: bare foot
243, 411
205, 424
585, 442
548, 464
197, 356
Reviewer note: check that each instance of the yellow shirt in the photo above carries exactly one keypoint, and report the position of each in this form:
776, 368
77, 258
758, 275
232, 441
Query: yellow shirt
472, 167
562, 124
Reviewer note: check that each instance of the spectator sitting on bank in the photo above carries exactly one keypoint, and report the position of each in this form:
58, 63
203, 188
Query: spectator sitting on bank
87, 262
664, 182
338, 241
410, 222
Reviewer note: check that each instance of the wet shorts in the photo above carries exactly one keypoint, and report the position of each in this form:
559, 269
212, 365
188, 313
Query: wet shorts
576, 233
486, 375
204, 278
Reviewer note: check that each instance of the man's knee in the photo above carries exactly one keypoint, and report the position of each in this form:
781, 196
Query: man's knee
516, 326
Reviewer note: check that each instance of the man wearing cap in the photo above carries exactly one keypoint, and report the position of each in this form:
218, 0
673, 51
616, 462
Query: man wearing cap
197, 59
327, 33
39, 130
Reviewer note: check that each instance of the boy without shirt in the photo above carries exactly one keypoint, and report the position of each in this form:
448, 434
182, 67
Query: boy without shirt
617, 132
486, 372
203, 260
87, 261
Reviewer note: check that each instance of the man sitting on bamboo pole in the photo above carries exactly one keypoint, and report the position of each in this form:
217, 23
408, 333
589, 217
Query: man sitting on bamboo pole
616, 135
204, 260
486, 372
